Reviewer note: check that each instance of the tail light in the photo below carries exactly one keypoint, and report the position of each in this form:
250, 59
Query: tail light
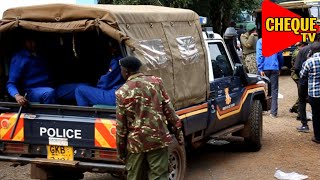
16, 148
110, 155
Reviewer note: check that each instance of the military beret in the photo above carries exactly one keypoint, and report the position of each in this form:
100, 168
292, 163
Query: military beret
250, 27
131, 63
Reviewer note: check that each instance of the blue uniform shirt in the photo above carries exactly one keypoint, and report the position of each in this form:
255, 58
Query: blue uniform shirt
27, 72
113, 78
273, 62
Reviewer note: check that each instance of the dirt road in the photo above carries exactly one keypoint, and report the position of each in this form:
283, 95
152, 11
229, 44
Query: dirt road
283, 148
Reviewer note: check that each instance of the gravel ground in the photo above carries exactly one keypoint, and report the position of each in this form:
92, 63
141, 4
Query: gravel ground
283, 148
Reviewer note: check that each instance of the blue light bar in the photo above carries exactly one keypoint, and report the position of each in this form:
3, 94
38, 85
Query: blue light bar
203, 20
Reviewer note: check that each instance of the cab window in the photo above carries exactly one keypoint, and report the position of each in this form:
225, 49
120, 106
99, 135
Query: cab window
220, 62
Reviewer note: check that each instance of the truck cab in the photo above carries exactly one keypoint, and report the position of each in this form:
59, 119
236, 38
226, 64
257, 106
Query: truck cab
228, 80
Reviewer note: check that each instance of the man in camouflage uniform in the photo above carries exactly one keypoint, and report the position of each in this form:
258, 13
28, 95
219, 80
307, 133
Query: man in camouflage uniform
143, 113
248, 41
294, 76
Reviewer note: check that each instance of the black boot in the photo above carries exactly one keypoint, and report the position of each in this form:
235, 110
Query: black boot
293, 110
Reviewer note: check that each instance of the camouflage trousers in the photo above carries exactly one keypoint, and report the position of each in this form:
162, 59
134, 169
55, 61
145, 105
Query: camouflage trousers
250, 62
154, 162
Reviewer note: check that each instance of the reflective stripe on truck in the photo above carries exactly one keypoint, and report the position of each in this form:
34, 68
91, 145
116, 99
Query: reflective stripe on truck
7, 121
105, 133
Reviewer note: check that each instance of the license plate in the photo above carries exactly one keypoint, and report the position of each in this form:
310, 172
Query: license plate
64, 153
286, 53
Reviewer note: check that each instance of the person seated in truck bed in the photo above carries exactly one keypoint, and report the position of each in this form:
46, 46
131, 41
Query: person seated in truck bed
104, 92
29, 73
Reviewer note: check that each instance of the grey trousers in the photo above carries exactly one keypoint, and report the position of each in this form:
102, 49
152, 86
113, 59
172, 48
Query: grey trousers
273, 75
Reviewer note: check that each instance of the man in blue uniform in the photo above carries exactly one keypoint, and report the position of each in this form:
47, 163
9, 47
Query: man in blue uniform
29, 74
104, 93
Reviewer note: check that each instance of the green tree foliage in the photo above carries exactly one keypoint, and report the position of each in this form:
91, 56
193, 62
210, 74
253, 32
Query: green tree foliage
220, 13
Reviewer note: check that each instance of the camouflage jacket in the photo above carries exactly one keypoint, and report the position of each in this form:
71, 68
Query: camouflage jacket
248, 43
143, 113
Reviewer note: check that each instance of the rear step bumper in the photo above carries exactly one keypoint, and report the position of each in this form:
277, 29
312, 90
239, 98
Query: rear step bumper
75, 164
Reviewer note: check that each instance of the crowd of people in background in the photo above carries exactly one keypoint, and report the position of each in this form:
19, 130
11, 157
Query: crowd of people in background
305, 72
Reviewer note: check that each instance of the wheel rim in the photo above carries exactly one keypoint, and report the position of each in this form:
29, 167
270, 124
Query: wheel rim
174, 164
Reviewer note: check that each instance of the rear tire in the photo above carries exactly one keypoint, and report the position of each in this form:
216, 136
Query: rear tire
177, 161
252, 131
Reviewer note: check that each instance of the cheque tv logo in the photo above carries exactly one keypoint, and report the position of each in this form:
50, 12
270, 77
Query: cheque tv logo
282, 28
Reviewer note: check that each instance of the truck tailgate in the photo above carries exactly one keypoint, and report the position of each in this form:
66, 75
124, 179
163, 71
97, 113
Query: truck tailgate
86, 132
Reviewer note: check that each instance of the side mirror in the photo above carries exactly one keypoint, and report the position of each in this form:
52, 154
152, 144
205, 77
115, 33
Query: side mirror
239, 71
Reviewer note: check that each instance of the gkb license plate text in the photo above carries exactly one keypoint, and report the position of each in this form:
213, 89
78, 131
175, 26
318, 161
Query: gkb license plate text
60, 153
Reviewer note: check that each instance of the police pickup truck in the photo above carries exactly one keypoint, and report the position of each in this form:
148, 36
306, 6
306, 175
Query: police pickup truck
212, 94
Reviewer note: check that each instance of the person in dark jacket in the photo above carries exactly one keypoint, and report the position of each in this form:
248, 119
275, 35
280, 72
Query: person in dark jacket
294, 76
104, 93
311, 71
302, 56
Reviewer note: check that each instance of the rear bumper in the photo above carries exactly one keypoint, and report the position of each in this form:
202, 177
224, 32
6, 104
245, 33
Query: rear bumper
91, 166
